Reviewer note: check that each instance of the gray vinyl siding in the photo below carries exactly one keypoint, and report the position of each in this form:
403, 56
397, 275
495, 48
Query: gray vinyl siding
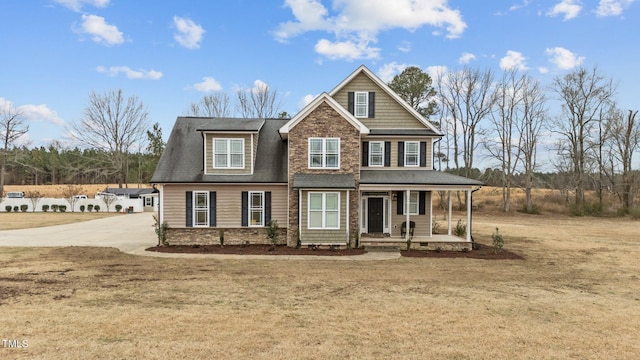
228, 201
388, 113
422, 221
318, 236
248, 153
394, 153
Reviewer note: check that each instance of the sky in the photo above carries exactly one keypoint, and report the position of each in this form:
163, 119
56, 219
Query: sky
54, 53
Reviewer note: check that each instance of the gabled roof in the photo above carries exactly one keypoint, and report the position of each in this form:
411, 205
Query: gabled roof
364, 70
232, 124
322, 98
182, 159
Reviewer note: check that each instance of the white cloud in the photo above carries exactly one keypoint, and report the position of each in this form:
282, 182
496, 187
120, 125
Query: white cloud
76, 5
612, 7
32, 112
543, 69
189, 33
466, 58
570, 9
347, 50
208, 84
130, 73
388, 71
436, 71
306, 100
359, 22
101, 32
404, 46
563, 58
513, 60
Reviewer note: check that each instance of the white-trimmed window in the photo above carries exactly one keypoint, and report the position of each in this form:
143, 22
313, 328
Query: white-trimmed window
256, 208
148, 201
376, 153
324, 153
201, 209
412, 153
413, 203
228, 153
361, 104
323, 210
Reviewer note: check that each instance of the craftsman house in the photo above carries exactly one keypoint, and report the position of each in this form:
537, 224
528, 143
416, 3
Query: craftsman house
353, 166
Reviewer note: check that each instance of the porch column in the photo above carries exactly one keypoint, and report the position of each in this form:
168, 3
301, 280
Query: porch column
469, 215
407, 209
430, 214
450, 213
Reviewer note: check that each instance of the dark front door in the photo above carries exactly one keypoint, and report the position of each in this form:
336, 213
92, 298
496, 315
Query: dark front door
375, 215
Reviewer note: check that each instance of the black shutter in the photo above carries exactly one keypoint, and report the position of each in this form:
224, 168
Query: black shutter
267, 208
365, 153
422, 203
189, 208
387, 153
351, 102
245, 208
400, 153
423, 153
400, 207
372, 104
212, 209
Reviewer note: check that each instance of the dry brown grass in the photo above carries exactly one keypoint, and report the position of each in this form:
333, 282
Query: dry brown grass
56, 191
9, 221
576, 295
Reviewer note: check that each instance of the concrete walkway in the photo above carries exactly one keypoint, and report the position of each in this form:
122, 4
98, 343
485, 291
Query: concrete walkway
133, 233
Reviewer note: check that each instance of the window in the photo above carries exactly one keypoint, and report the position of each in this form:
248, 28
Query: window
201, 208
324, 210
324, 153
148, 201
376, 153
412, 153
256, 208
228, 153
413, 203
362, 104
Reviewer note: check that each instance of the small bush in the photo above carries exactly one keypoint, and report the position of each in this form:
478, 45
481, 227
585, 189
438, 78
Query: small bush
62, 208
435, 226
161, 231
82, 208
90, 207
221, 237
587, 209
118, 207
8, 208
45, 208
498, 241
460, 229
634, 213
272, 232
96, 208
535, 209
24, 207
54, 208
16, 208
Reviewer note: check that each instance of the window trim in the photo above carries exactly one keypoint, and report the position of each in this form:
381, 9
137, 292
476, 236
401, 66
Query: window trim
408, 203
323, 210
382, 154
417, 153
323, 153
356, 103
148, 201
196, 209
251, 208
228, 153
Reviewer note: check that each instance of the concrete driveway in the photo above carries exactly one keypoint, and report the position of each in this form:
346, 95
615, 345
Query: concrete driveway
130, 233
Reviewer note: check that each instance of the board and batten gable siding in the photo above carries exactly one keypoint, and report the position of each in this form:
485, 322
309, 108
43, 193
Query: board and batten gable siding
249, 150
388, 113
228, 201
394, 152
322, 236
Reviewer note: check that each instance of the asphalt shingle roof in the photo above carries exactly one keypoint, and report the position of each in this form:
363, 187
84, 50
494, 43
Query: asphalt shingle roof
324, 181
414, 177
402, 132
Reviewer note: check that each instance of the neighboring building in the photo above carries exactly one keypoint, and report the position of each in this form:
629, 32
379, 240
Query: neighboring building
148, 196
354, 165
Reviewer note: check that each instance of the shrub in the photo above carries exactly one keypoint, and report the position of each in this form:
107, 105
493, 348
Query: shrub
24, 207
435, 226
118, 207
90, 207
96, 208
272, 232
8, 208
635, 213
16, 208
498, 241
535, 209
62, 208
460, 229
161, 231
221, 237
82, 208
54, 208
587, 209
45, 208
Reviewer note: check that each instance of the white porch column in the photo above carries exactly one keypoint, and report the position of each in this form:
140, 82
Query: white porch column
430, 213
407, 209
450, 214
469, 215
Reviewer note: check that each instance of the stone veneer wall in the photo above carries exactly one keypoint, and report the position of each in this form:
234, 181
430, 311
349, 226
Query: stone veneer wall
232, 236
324, 121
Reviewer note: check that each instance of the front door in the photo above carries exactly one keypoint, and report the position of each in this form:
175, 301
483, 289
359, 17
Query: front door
375, 215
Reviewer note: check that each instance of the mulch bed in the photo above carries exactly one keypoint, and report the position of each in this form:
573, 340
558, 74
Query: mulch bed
484, 251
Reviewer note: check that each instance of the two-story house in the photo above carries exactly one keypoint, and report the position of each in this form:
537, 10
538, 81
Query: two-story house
354, 165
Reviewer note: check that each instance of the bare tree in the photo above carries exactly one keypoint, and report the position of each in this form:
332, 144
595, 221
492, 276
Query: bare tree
258, 102
212, 105
625, 139
114, 125
583, 94
35, 197
12, 126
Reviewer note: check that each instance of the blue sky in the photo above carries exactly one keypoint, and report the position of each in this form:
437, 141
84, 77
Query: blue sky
171, 53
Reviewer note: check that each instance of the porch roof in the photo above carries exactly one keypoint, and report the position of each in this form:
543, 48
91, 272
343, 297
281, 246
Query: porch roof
324, 181
414, 177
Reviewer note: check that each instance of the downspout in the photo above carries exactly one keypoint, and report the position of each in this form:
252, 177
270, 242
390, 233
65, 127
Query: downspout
433, 153
473, 243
